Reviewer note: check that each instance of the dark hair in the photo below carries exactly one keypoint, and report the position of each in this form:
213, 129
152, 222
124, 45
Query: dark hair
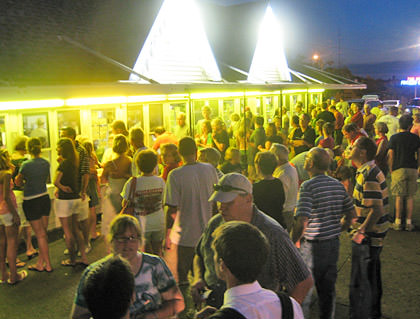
120, 145
273, 128
328, 127
119, 127
266, 161
365, 143
295, 119
108, 288
69, 132
21, 143
206, 124
344, 172
68, 151
333, 107
351, 127
229, 246
259, 120
146, 161
187, 146
88, 147
159, 130
137, 136
324, 105
170, 148
405, 121
381, 127
33, 145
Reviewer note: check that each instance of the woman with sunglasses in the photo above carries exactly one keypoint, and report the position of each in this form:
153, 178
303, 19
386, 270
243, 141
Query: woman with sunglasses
156, 292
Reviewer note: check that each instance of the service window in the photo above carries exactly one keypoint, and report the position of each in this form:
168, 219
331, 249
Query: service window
228, 110
269, 108
198, 108
36, 125
134, 116
174, 110
69, 119
155, 120
101, 130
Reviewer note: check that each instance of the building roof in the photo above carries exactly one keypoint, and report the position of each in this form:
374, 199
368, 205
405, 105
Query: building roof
33, 54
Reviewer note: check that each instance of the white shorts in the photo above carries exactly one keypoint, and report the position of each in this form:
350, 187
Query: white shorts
6, 219
19, 201
83, 209
66, 207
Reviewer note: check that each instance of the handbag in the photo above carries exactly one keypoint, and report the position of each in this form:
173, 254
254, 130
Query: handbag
128, 208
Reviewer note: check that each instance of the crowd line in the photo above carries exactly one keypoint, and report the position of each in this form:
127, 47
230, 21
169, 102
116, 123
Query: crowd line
228, 222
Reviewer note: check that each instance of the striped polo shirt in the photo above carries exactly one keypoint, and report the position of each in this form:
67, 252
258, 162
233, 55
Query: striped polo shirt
371, 190
323, 200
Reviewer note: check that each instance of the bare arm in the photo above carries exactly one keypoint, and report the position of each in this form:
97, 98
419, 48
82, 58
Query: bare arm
348, 219
300, 291
57, 183
170, 213
6, 196
198, 284
372, 218
19, 180
173, 303
390, 159
299, 229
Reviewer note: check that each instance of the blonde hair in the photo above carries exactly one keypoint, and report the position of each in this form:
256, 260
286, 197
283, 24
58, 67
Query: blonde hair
170, 148
4, 160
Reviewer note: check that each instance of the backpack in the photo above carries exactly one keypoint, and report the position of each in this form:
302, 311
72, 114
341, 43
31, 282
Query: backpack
230, 313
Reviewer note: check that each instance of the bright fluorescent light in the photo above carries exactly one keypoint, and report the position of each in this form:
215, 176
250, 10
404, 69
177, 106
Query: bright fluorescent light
294, 91
96, 100
21, 105
316, 90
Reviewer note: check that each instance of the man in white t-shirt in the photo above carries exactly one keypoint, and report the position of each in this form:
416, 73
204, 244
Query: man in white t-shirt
187, 211
240, 252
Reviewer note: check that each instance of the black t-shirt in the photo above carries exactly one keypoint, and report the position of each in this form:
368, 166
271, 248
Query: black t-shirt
327, 116
69, 178
269, 197
222, 138
275, 139
308, 136
405, 146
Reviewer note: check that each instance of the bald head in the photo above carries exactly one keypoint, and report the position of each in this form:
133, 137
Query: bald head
320, 159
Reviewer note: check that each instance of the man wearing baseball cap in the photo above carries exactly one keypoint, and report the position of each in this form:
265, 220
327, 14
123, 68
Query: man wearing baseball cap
284, 268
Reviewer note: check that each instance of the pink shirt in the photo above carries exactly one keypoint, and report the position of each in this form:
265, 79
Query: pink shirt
3, 205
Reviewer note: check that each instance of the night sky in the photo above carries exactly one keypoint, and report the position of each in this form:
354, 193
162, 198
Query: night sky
370, 31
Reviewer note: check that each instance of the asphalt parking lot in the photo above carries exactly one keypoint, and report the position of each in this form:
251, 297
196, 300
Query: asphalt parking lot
44, 295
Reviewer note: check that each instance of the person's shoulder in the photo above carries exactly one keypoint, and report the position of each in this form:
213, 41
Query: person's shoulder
151, 259
215, 221
266, 223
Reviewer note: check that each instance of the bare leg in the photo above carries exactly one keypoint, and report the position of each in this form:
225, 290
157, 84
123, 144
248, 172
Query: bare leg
27, 234
3, 269
12, 235
67, 224
79, 237
84, 229
410, 207
42, 238
399, 206
44, 220
92, 222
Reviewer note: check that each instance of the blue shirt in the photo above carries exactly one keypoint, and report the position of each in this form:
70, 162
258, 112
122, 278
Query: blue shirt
35, 173
323, 200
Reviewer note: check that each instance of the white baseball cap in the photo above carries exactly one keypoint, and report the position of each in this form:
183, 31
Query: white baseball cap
230, 186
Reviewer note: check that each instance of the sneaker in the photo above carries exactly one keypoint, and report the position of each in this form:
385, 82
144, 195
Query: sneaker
66, 252
397, 227
88, 249
409, 227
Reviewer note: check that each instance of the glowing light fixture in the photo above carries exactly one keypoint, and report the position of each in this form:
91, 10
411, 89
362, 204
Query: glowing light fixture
316, 90
96, 100
177, 49
210, 95
294, 91
21, 105
269, 63
411, 80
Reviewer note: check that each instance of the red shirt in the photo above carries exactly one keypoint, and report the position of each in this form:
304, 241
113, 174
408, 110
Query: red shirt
165, 138
339, 120
357, 119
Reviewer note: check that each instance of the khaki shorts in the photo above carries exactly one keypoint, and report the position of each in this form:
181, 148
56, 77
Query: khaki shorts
66, 207
404, 182
83, 209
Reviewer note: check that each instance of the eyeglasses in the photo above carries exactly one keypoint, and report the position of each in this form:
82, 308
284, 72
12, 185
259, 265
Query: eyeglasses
227, 188
124, 240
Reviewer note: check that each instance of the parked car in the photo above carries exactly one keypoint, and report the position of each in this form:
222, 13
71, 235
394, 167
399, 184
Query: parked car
370, 97
412, 104
389, 103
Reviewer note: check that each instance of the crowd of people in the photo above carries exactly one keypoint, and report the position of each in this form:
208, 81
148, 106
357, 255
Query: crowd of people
299, 180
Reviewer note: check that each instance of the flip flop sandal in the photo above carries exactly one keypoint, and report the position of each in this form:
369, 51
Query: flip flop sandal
33, 268
32, 255
20, 263
21, 276
67, 263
